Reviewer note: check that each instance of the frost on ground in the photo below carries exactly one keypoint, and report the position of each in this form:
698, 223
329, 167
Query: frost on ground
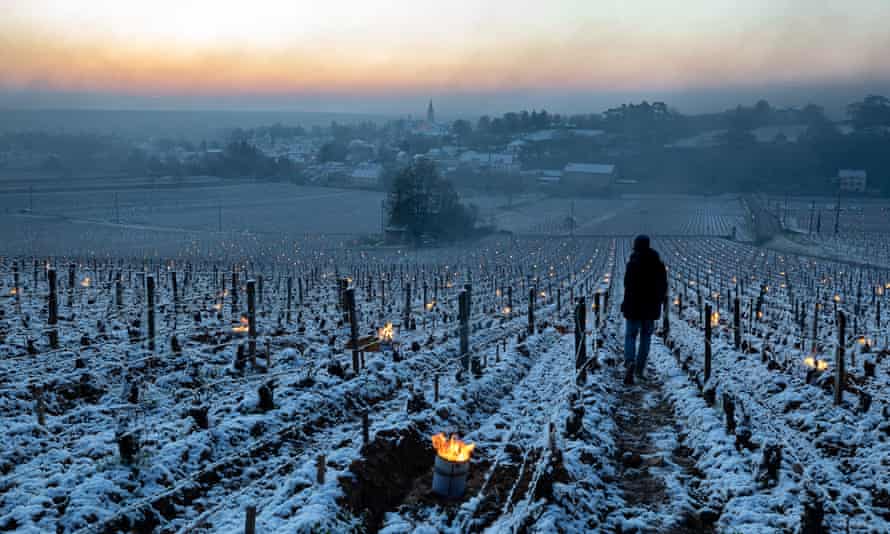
106, 433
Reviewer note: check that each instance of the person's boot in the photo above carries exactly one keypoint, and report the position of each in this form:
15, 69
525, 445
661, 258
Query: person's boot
640, 374
629, 377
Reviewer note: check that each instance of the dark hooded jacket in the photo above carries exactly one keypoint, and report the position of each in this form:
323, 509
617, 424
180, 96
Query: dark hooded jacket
645, 285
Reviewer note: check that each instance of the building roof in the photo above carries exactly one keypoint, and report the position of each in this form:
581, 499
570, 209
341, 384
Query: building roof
540, 135
587, 132
591, 168
486, 157
851, 173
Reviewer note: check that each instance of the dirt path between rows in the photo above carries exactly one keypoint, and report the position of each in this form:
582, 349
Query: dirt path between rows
657, 474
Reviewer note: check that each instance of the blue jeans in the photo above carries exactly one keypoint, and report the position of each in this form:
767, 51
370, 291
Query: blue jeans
644, 329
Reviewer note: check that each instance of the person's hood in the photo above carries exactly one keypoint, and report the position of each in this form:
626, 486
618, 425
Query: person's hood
642, 242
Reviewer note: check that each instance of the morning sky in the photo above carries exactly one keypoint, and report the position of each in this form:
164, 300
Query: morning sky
350, 54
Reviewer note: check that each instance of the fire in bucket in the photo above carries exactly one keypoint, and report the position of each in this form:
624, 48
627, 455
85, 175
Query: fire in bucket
452, 465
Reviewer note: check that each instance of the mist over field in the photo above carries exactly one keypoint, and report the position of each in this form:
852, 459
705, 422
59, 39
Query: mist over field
445, 267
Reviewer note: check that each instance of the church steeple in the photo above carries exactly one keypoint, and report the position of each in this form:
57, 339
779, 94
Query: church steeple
430, 113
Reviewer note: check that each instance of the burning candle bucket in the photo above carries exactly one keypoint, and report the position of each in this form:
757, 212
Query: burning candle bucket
452, 466
450, 478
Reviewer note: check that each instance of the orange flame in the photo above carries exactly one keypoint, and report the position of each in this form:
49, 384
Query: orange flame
85, 282
452, 449
243, 327
819, 365
385, 333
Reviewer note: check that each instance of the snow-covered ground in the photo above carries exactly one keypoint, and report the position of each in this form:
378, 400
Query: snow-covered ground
107, 433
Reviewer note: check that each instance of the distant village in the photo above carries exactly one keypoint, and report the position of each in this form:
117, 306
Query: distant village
633, 148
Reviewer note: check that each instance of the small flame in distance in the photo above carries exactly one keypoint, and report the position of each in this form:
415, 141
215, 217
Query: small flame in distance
385, 333
243, 327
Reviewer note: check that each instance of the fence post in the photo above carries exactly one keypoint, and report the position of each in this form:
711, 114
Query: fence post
290, 295
150, 305
235, 292
531, 311
53, 309
463, 313
250, 520
580, 336
707, 342
353, 327
320, 467
596, 307
839, 360
71, 283
118, 293
815, 326
407, 312
175, 292
251, 321
15, 282
737, 323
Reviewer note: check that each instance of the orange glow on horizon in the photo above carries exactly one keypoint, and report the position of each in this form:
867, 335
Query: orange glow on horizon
474, 48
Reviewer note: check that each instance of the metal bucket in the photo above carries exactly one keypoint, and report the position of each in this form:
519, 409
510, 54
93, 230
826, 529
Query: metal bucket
450, 478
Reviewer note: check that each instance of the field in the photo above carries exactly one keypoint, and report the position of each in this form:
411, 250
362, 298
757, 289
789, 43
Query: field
180, 377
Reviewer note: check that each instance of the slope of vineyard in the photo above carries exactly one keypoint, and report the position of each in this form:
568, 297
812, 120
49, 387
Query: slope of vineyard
160, 410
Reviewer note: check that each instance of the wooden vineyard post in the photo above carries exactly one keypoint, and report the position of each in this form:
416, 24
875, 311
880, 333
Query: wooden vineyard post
300, 290
118, 293
596, 307
558, 302
666, 320
234, 293
290, 297
175, 292
342, 286
510, 299
469, 290
815, 326
15, 283
406, 314
353, 327
320, 467
463, 312
707, 342
250, 520
259, 284
53, 309
150, 305
71, 273
839, 363
531, 311
736, 323
580, 338
251, 321
436, 387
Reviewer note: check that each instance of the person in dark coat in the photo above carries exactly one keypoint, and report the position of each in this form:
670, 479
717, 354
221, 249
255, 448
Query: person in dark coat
645, 290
